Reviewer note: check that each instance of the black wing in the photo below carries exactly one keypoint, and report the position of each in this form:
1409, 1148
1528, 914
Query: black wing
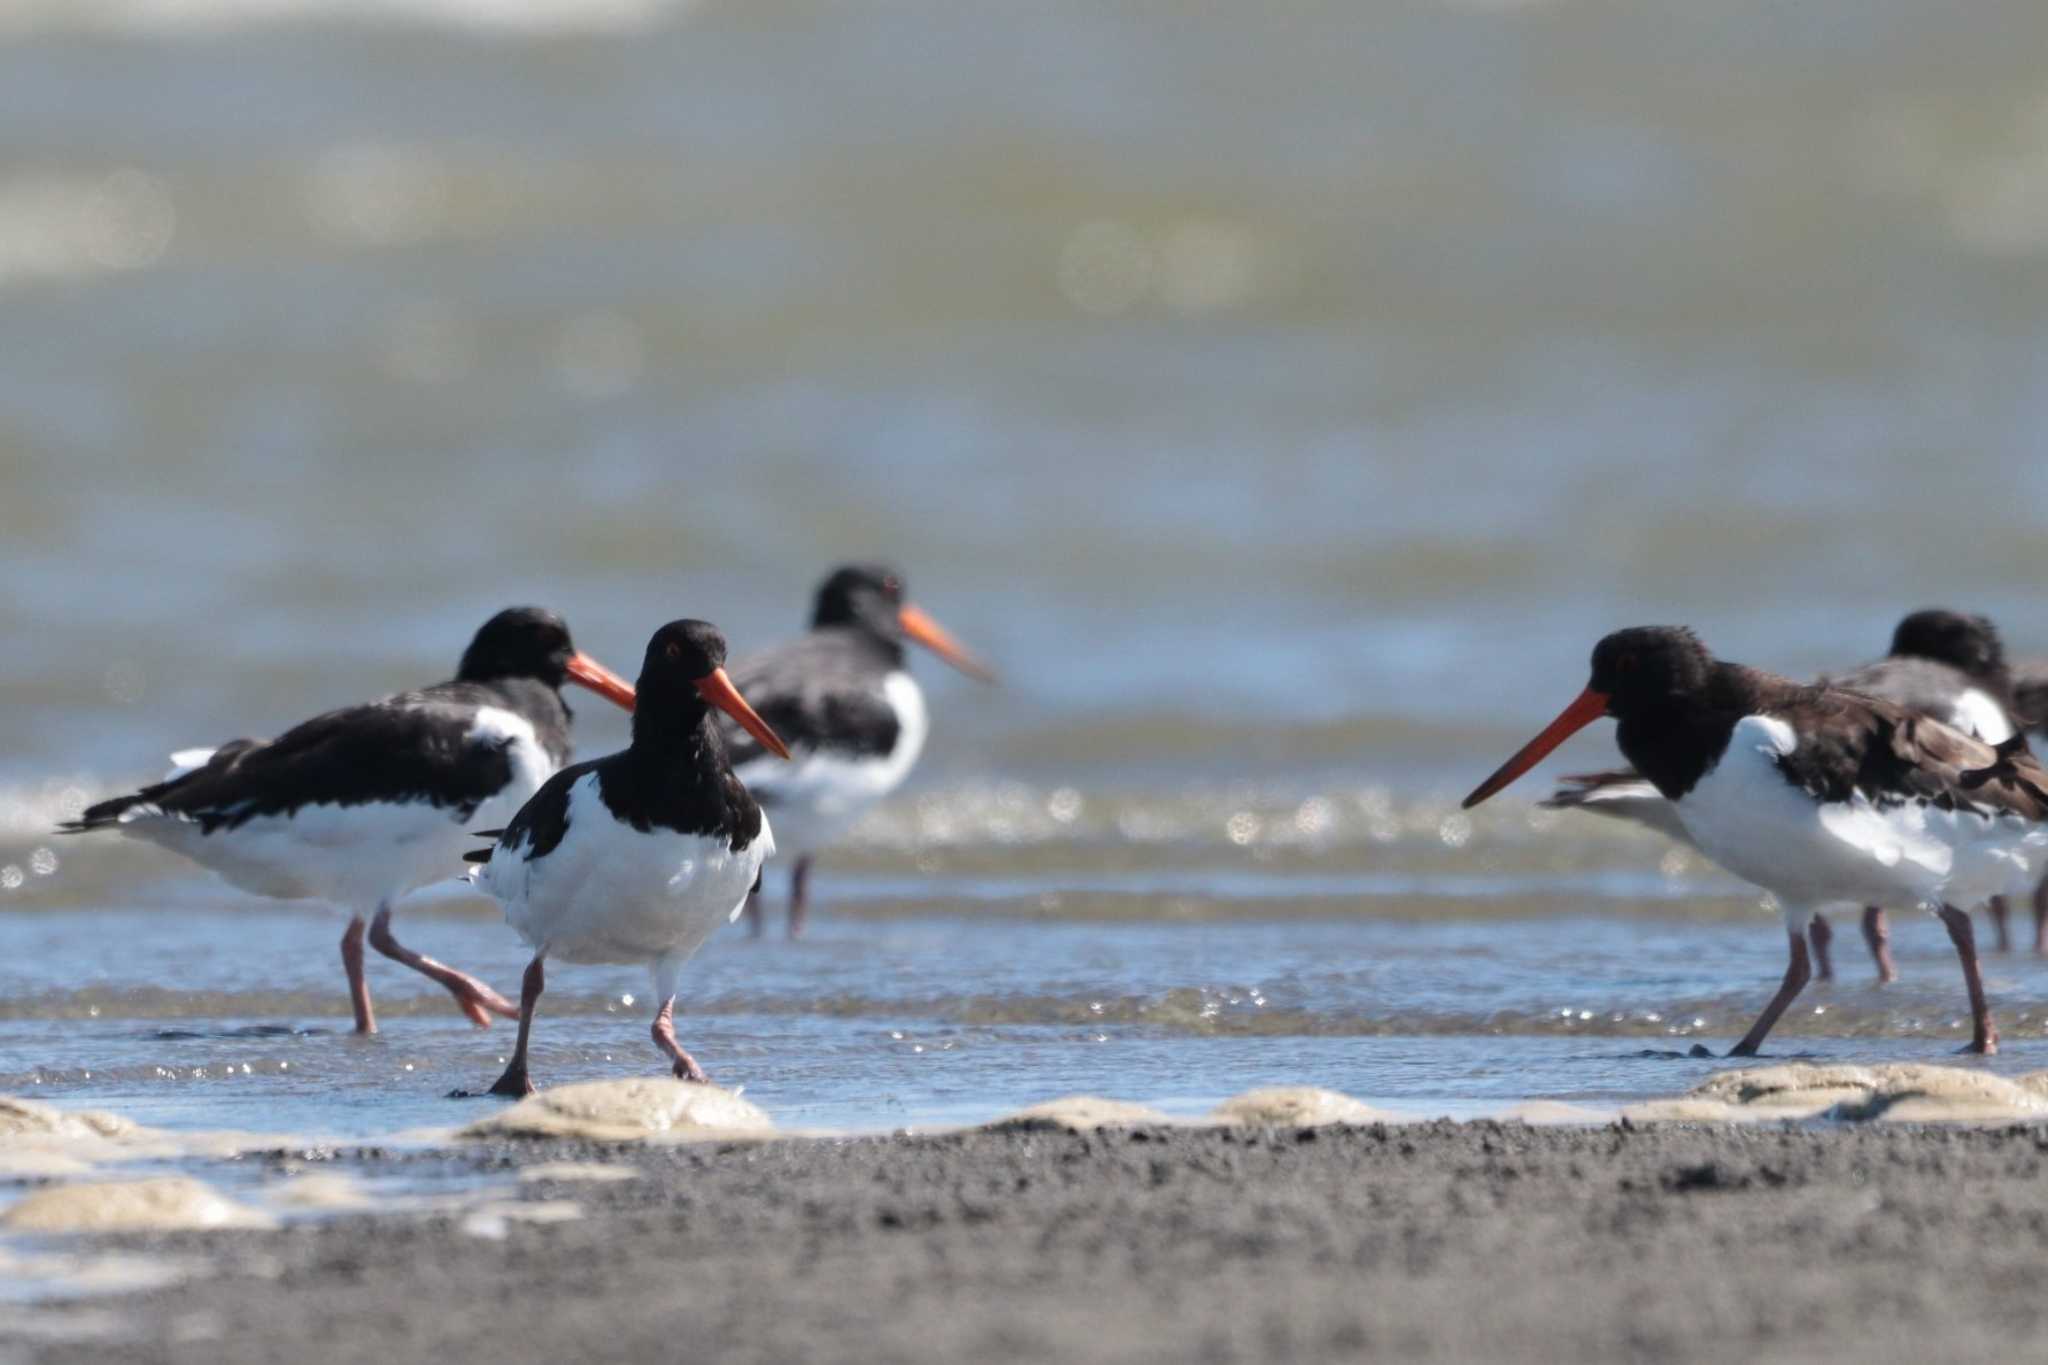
413, 747
821, 693
1855, 745
541, 822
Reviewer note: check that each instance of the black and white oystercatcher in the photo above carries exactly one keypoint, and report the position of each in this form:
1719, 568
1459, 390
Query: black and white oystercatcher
361, 805
843, 698
1815, 794
1946, 664
640, 855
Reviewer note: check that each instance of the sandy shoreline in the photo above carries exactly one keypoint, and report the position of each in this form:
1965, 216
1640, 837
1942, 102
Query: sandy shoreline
1478, 1241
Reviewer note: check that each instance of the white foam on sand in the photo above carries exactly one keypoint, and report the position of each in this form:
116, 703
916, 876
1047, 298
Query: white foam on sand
1079, 1114
156, 1204
594, 1172
639, 1109
1301, 1106
1909, 1092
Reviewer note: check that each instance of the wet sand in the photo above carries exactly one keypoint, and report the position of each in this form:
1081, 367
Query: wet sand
1482, 1241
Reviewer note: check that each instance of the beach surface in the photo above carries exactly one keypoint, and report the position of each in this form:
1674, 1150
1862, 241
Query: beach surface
1814, 1239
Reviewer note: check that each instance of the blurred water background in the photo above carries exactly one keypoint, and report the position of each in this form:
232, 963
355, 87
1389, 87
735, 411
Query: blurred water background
1285, 395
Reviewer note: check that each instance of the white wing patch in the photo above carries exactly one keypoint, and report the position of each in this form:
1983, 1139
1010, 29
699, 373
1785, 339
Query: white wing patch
1977, 713
188, 761
514, 733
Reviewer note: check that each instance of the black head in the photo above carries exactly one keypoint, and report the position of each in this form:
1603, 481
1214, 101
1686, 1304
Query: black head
1643, 667
1636, 673
681, 653
682, 677
533, 642
868, 596
519, 642
1962, 641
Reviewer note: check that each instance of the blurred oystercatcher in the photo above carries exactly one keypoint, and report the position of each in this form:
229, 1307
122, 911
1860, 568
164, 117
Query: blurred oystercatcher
640, 855
843, 698
1945, 664
361, 805
2030, 709
1815, 794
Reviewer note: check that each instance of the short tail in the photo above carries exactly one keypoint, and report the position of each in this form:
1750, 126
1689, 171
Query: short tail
106, 813
186, 764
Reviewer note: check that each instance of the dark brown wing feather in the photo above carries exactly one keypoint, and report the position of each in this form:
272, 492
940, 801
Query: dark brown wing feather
1854, 745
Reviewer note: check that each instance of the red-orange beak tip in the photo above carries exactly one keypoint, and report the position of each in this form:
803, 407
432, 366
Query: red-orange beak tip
1587, 708
919, 626
717, 689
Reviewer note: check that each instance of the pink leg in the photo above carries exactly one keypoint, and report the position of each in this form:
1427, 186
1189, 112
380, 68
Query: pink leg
2000, 915
756, 920
1797, 974
2041, 919
799, 896
1821, 934
1985, 1032
515, 1082
1878, 935
664, 1032
472, 996
358, 984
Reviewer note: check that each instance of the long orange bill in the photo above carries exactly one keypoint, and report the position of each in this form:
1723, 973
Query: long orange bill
1589, 707
718, 690
929, 633
589, 673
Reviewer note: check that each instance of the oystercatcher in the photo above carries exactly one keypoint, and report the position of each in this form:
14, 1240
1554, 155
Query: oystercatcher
843, 697
361, 805
1945, 664
640, 855
1815, 794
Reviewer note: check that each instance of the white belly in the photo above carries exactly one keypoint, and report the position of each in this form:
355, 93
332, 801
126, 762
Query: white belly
1749, 819
817, 798
611, 893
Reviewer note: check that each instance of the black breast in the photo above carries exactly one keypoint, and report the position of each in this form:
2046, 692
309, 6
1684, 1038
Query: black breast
691, 790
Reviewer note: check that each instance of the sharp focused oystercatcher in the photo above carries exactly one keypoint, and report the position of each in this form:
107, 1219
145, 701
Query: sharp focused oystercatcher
1815, 794
1946, 664
361, 805
640, 855
843, 697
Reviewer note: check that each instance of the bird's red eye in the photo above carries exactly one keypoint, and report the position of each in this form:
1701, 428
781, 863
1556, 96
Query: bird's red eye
674, 651
1627, 663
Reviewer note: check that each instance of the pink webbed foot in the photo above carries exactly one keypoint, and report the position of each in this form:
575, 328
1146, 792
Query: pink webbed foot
478, 1001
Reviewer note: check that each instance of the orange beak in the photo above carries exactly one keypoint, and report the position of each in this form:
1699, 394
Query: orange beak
1589, 707
588, 672
933, 637
717, 689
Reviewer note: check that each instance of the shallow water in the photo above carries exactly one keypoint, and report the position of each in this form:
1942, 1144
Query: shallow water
1286, 400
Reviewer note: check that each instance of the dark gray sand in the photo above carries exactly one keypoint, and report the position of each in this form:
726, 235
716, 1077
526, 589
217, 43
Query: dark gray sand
1485, 1241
